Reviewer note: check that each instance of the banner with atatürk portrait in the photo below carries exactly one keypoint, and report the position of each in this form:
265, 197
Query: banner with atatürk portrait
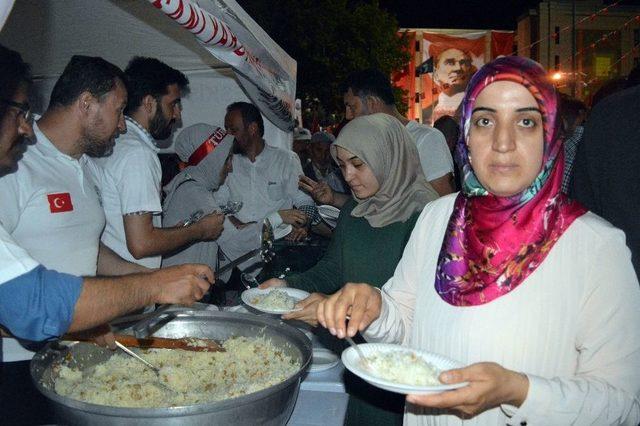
449, 62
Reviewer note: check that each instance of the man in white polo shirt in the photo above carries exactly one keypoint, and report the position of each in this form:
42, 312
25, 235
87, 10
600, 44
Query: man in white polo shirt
131, 195
51, 206
37, 303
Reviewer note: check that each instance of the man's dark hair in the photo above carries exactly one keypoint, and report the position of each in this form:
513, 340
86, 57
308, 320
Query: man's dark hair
250, 114
570, 110
14, 73
369, 82
449, 128
84, 74
149, 76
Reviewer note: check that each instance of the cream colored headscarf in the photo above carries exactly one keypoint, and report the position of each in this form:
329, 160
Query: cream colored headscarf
383, 143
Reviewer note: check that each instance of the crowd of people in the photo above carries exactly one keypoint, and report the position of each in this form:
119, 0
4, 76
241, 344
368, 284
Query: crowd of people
503, 259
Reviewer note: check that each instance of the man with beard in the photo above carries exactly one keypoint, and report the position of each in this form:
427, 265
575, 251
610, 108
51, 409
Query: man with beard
51, 205
131, 195
264, 178
37, 303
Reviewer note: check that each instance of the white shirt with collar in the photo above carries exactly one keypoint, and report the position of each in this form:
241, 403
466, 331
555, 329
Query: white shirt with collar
133, 177
51, 207
435, 157
264, 186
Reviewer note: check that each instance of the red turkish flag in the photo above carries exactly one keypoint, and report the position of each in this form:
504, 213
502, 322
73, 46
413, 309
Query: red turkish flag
60, 202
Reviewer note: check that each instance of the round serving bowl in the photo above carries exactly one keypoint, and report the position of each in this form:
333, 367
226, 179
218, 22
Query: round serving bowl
270, 406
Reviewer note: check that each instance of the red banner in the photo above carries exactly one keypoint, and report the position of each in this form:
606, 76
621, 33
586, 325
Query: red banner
450, 62
501, 43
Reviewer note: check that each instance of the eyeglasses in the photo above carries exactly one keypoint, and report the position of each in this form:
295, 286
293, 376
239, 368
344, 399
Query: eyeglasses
25, 109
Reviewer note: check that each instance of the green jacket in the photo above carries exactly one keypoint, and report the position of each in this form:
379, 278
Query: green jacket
357, 253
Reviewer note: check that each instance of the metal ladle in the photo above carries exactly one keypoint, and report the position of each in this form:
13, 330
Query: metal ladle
146, 363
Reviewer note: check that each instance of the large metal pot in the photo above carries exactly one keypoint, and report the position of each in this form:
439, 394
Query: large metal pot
271, 406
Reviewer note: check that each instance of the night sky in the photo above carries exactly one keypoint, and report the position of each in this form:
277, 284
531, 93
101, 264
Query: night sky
466, 14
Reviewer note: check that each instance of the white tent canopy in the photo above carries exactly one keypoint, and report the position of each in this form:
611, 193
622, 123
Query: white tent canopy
48, 32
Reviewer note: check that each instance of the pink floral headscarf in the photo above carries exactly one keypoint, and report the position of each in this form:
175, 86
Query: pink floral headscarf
492, 244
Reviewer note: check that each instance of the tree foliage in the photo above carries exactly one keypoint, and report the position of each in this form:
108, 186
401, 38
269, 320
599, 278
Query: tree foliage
330, 39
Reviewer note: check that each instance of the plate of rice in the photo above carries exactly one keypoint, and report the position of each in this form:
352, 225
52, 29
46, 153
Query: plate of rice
400, 369
274, 300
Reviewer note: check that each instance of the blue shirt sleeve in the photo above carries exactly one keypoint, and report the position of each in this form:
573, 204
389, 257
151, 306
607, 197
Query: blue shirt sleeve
39, 304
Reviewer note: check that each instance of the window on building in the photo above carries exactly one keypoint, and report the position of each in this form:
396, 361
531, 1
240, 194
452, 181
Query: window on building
556, 35
557, 62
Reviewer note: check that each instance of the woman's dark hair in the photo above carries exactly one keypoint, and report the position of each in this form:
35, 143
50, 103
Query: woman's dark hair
14, 73
149, 76
250, 114
84, 74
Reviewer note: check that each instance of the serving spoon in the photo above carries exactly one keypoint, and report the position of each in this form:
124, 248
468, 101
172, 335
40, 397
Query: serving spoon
147, 364
354, 345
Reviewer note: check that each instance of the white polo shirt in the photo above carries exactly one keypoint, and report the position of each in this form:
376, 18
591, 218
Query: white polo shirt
265, 186
435, 157
51, 207
132, 184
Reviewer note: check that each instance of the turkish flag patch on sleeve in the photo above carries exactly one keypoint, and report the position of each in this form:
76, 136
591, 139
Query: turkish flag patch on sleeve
60, 202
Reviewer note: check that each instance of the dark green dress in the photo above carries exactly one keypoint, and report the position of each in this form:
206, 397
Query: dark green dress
360, 253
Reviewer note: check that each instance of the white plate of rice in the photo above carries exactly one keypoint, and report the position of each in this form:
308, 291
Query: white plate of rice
274, 300
400, 369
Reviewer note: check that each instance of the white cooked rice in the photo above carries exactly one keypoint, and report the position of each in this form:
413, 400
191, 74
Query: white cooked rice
276, 300
403, 367
248, 365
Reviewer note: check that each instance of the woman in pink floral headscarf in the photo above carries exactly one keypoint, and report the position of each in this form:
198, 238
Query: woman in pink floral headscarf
534, 294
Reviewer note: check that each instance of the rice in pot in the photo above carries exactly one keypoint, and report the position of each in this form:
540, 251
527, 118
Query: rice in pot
248, 365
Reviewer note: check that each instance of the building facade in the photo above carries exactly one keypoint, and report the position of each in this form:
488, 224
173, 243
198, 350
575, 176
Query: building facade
606, 44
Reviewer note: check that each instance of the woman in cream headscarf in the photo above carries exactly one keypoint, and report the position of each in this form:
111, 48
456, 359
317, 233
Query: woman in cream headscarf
379, 161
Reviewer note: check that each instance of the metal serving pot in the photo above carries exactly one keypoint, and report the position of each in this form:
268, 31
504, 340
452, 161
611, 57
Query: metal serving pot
270, 406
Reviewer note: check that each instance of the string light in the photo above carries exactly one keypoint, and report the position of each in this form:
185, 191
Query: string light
603, 38
556, 34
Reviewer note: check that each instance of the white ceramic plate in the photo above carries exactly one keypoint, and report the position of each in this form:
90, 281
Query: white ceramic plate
248, 296
323, 359
352, 362
282, 231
